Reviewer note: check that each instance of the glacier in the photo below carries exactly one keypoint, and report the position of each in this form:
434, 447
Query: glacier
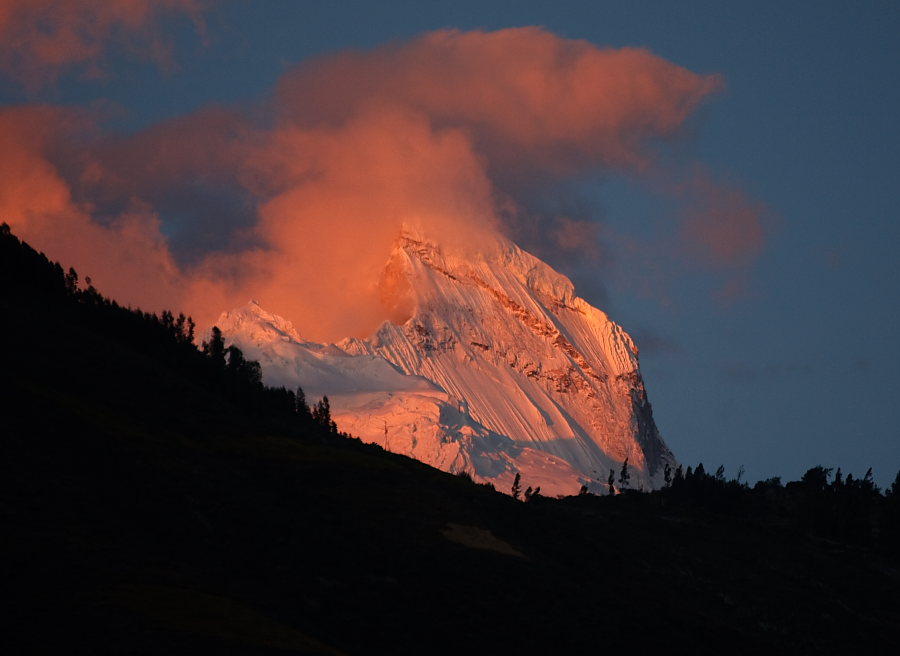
498, 368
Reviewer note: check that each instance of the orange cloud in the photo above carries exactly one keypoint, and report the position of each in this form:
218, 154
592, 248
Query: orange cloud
414, 133
43, 37
128, 258
357, 144
521, 92
332, 202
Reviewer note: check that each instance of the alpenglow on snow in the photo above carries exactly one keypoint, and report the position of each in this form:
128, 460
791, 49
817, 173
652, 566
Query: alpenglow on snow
500, 369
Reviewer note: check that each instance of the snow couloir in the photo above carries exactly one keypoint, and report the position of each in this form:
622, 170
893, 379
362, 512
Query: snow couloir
499, 369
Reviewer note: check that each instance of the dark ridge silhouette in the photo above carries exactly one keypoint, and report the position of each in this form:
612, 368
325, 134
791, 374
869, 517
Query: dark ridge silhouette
37, 293
157, 498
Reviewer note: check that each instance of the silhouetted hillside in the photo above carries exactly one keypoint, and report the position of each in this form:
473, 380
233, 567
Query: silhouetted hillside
158, 499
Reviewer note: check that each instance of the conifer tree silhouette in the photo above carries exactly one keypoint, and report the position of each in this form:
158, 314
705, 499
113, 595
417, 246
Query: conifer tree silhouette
516, 486
624, 475
215, 348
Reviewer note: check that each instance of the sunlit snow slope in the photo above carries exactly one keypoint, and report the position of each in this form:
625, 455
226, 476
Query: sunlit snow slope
499, 369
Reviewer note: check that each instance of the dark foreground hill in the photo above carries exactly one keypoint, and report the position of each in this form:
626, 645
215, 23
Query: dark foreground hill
151, 504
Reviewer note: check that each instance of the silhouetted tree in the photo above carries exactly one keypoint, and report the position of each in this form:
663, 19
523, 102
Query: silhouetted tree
244, 371
667, 475
301, 407
215, 348
71, 281
817, 477
235, 359
624, 476
583, 490
184, 329
894, 489
868, 482
720, 474
700, 473
889, 530
611, 481
838, 481
321, 413
516, 488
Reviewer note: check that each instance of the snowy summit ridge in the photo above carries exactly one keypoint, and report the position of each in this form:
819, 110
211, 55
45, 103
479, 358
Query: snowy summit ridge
493, 367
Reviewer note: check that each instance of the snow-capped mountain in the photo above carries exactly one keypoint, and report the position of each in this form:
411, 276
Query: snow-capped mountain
499, 369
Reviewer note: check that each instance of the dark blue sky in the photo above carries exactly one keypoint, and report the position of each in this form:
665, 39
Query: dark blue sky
802, 367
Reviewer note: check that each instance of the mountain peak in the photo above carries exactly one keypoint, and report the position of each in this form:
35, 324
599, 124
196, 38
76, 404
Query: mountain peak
491, 263
489, 364
265, 323
413, 232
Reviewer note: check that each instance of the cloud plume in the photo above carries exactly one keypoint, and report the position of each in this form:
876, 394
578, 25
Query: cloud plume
299, 209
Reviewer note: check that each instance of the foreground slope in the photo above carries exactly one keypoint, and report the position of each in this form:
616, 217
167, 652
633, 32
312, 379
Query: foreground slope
506, 371
145, 513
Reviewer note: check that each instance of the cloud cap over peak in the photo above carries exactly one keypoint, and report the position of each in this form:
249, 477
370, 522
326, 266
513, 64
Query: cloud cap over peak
446, 131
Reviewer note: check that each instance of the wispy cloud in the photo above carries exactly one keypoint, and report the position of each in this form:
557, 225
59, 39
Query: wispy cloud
719, 222
42, 38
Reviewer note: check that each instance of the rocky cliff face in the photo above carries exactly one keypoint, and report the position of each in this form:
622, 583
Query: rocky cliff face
494, 367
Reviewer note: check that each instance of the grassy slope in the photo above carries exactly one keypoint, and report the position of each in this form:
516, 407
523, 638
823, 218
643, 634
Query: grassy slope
143, 514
